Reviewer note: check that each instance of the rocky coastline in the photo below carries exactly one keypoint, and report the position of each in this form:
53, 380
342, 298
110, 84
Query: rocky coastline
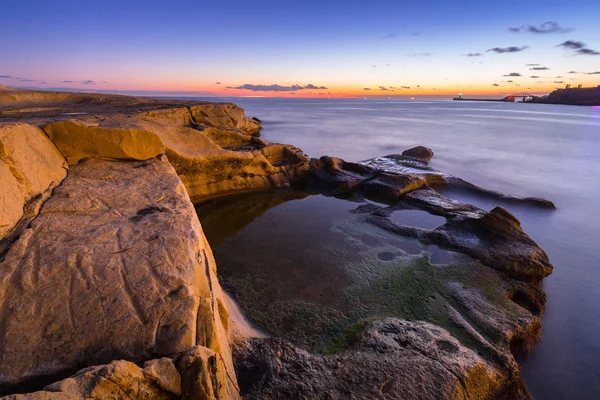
109, 287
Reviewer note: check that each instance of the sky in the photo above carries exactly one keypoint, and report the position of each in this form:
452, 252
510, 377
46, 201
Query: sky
303, 48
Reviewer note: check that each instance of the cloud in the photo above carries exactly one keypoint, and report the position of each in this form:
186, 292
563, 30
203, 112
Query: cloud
534, 76
531, 65
366, 88
217, 83
513, 74
104, 82
544, 29
539, 69
6, 77
44, 83
473, 55
311, 86
405, 87
88, 82
571, 44
557, 77
67, 82
511, 49
558, 82
382, 88
415, 33
389, 36
588, 52
424, 54
495, 84
593, 73
277, 88
572, 72
24, 80
509, 81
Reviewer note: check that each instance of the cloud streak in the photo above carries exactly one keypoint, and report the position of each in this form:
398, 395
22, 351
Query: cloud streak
473, 55
539, 69
511, 49
277, 88
544, 29
513, 74
578, 48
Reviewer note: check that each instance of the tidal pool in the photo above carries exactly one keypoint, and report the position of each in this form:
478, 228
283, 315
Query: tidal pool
312, 269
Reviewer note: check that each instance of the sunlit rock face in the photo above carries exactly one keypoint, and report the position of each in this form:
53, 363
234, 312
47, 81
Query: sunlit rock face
117, 249
30, 167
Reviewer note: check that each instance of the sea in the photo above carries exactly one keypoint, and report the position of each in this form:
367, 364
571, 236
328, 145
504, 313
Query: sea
522, 149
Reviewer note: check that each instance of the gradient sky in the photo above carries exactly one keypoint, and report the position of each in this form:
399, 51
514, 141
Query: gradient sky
278, 48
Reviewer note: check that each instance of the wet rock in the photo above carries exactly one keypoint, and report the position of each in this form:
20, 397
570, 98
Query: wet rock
420, 152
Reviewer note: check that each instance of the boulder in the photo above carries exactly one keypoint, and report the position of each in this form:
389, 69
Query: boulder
395, 359
224, 115
30, 167
420, 152
117, 249
198, 373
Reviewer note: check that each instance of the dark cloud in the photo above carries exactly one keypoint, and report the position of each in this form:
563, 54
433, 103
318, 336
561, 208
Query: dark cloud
495, 84
217, 83
6, 76
593, 73
513, 74
473, 55
572, 72
539, 68
558, 82
389, 36
88, 82
277, 88
534, 77
531, 65
382, 88
24, 80
67, 82
366, 88
311, 86
588, 52
509, 81
543, 29
405, 87
424, 54
572, 44
228, 87
511, 49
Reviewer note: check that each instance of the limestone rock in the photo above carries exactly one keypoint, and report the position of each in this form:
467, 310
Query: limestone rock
114, 266
30, 167
420, 152
76, 141
224, 115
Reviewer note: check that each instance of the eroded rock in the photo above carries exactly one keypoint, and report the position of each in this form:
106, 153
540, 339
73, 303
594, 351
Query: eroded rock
98, 277
420, 152
30, 167
395, 359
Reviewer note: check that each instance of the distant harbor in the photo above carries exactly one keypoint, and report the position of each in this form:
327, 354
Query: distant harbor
578, 96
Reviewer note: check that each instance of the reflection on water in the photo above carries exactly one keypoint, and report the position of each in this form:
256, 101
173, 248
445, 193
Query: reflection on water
307, 268
417, 218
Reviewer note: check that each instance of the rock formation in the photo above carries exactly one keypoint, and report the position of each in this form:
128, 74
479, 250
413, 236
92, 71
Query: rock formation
108, 287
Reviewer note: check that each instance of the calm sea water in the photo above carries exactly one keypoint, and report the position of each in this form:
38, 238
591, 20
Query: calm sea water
523, 149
